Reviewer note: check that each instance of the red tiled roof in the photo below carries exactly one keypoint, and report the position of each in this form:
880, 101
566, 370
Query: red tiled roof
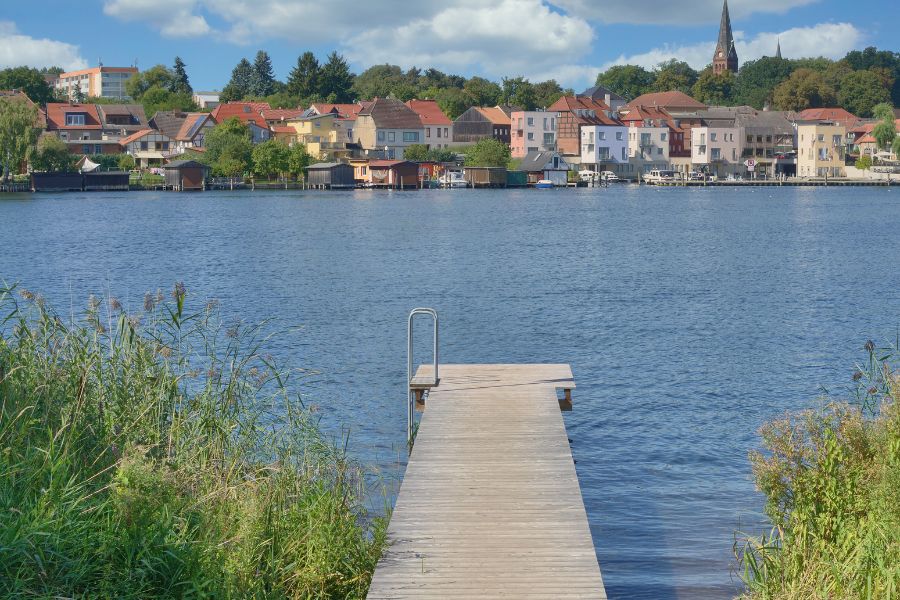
281, 114
56, 116
671, 99
866, 139
494, 114
189, 122
429, 112
248, 112
640, 113
344, 110
572, 104
385, 164
284, 129
137, 135
838, 115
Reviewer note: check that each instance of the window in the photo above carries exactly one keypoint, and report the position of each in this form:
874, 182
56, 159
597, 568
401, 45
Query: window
86, 149
835, 140
703, 138
144, 145
318, 125
446, 132
590, 137
659, 151
530, 121
821, 137
734, 154
545, 122
619, 136
623, 154
410, 136
552, 123
715, 153
380, 136
645, 139
601, 135
749, 139
759, 139
74, 119
165, 146
520, 122
712, 136
662, 136
530, 135
437, 129
548, 139
768, 139
428, 132
603, 153
392, 136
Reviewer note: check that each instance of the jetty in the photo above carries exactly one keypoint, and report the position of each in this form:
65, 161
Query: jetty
490, 504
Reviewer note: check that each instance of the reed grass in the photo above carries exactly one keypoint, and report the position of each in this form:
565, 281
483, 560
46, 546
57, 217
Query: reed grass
831, 478
160, 455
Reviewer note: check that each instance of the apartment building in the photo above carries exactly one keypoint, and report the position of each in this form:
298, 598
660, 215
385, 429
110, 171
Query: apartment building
821, 149
532, 131
98, 82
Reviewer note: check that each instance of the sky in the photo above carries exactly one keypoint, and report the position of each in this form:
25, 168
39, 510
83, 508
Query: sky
567, 40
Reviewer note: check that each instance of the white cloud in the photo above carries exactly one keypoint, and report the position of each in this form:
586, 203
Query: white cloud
173, 18
509, 37
831, 40
666, 12
18, 49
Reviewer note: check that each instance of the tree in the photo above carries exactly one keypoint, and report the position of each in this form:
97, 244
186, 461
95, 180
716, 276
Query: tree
126, 162
303, 81
158, 76
156, 99
241, 82
452, 101
488, 153
864, 163
860, 91
262, 82
870, 58
712, 88
757, 79
416, 153
629, 81
674, 75
270, 158
298, 160
78, 95
18, 133
229, 148
378, 81
804, 89
336, 80
30, 81
547, 92
51, 155
895, 147
180, 82
518, 91
886, 130
482, 92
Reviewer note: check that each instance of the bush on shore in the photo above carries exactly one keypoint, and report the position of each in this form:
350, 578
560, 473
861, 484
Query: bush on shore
831, 478
166, 459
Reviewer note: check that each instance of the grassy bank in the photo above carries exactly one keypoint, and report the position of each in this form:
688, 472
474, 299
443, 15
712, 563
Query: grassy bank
159, 455
831, 478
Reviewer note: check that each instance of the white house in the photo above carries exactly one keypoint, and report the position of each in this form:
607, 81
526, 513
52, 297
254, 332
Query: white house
548, 165
604, 147
148, 147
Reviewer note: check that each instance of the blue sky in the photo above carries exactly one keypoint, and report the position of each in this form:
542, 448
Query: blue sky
569, 40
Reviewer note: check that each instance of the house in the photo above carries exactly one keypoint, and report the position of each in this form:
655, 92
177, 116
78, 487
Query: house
121, 120
532, 131
860, 139
672, 101
717, 143
327, 136
397, 174
360, 169
206, 100
149, 147
186, 130
486, 177
330, 176
481, 123
387, 127
346, 111
572, 113
278, 116
249, 113
605, 147
438, 126
546, 165
98, 82
768, 139
605, 96
659, 129
820, 149
80, 126
186, 175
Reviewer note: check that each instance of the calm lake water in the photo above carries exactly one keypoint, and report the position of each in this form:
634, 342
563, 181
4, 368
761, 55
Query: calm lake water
689, 316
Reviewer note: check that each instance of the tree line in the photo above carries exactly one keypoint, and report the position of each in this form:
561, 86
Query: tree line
858, 82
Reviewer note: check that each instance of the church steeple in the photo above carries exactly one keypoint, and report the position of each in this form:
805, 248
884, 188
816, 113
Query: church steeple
725, 58
778, 49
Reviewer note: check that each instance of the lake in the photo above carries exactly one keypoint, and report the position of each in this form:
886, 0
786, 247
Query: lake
689, 316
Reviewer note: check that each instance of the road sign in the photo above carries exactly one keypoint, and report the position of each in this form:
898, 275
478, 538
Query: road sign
750, 163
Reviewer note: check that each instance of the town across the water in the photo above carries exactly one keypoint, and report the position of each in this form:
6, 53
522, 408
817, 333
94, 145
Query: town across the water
593, 136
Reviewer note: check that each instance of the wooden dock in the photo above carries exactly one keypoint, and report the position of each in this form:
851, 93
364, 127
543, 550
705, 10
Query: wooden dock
490, 505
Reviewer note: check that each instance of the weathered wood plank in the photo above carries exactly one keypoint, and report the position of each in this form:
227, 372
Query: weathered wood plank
490, 505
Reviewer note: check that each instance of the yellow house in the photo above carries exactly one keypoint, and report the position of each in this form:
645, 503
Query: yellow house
325, 136
820, 149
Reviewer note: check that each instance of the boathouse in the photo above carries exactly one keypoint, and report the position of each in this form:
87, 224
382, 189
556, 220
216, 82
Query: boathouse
108, 181
397, 174
486, 177
329, 176
546, 166
186, 175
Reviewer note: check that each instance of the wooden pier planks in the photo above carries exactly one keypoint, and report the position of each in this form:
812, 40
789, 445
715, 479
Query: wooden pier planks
490, 505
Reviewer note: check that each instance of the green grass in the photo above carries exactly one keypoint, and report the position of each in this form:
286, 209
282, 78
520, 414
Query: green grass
831, 478
159, 455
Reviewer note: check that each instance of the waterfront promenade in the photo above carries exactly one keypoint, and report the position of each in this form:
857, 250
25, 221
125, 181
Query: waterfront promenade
490, 504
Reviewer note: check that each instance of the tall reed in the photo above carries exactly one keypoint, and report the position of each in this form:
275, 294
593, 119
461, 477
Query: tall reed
160, 455
831, 478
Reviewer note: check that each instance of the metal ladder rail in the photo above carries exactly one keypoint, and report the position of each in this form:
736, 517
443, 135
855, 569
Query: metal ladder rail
410, 396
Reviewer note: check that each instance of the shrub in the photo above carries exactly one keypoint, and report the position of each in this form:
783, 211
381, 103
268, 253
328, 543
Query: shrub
864, 162
159, 455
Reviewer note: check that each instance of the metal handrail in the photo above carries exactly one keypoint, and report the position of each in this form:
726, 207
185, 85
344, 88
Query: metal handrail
410, 400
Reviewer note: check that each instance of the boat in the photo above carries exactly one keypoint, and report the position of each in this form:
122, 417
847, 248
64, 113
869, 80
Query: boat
659, 176
609, 177
544, 184
453, 179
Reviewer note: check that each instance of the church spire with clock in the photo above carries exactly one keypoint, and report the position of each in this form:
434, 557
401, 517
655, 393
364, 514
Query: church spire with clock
725, 58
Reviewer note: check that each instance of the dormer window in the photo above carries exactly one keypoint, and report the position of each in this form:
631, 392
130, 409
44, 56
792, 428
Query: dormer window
73, 119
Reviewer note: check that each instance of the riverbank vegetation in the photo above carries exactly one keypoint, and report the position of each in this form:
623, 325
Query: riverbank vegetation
831, 478
158, 454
